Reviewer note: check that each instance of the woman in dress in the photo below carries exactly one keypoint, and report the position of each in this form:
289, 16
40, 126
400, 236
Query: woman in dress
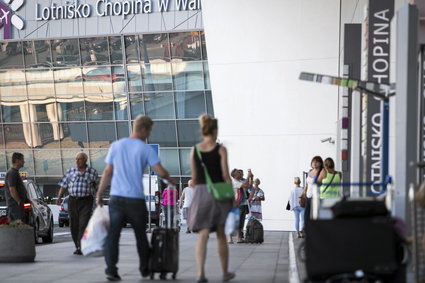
206, 213
256, 196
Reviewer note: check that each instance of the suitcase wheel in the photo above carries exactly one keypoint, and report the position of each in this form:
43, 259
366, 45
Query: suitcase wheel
163, 276
174, 276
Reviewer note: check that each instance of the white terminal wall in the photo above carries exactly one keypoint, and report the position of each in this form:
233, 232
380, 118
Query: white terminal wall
269, 120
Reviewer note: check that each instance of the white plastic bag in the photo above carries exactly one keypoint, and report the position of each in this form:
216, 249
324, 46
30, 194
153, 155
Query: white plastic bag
232, 222
95, 232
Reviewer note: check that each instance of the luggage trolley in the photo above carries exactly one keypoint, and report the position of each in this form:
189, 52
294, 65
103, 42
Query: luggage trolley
358, 239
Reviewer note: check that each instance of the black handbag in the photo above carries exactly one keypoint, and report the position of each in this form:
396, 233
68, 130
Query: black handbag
288, 206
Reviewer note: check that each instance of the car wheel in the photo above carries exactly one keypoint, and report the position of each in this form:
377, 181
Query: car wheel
36, 231
49, 237
67, 224
61, 224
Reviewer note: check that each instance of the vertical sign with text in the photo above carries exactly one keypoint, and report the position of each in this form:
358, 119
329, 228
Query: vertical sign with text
378, 70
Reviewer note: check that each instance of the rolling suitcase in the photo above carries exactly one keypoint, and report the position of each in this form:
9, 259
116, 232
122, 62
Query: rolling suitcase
254, 231
165, 251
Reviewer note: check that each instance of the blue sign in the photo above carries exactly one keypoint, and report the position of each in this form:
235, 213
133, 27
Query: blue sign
155, 147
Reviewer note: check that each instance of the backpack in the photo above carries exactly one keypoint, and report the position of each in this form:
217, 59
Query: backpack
254, 231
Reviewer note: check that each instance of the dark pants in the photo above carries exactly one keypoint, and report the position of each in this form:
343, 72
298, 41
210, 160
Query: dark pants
244, 211
80, 210
307, 212
16, 212
135, 212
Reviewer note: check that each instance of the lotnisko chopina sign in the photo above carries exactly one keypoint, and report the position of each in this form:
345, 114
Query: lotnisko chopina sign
101, 8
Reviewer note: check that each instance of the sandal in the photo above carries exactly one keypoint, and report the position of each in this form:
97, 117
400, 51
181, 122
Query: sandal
231, 242
241, 242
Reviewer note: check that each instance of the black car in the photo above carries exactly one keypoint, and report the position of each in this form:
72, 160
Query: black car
63, 218
37, 213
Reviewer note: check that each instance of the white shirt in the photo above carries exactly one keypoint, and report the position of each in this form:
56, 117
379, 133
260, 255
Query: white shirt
188, 196
310, 184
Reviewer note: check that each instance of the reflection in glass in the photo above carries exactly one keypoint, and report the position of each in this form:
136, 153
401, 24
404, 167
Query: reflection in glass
97, 79
204, 46
40, 82
134, 79
14, 136
188, 76
13, 113
68, 158
159, 105
12, 83
1, 138
154, 48
190, 104
115, 49
47, 162
189, 133
185, 161
207, 76
210, 108
120, 102
40, 109
122, 130
100, 107
164, 134
37, 54
157, 77
101, 134
75, 135
170, 160
72, 107
185, 46
29, 161
97, 159
131, 48
11, 55
49, 134
65, 52
94, 51
3, 164
137, 107
118, 79
68, 81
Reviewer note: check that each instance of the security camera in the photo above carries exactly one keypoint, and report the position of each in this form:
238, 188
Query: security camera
329, 140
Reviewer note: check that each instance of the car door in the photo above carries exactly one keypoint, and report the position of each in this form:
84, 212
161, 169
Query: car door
38, 208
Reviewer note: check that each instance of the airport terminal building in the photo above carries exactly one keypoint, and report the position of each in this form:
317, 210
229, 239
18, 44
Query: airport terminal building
75, 74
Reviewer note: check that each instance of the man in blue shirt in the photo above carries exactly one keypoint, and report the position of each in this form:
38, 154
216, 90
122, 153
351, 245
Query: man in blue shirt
125, 164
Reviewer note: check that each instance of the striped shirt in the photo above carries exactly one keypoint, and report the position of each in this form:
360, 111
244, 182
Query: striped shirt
80, 184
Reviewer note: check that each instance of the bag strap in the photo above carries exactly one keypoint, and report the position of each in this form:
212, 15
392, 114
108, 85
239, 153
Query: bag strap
327, 186
207, 176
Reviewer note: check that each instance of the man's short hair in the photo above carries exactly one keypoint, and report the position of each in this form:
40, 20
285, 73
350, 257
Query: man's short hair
82, 154
233, 173
17, 156
142, 122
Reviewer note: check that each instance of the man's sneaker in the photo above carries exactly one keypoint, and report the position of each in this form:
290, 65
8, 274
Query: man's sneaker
114, 277
229, 276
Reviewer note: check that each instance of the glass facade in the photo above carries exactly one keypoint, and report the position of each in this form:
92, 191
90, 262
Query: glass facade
63, 96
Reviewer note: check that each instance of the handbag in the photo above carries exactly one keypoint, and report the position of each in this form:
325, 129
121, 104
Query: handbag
288, 206
221, 191
302, 199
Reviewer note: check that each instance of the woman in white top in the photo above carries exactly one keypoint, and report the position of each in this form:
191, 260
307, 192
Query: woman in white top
317, 166
186, 201
295, 206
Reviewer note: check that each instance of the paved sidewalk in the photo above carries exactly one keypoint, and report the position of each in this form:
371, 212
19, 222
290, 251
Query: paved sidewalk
267, 262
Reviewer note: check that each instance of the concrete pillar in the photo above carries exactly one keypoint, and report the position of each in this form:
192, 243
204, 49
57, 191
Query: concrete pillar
406, 106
